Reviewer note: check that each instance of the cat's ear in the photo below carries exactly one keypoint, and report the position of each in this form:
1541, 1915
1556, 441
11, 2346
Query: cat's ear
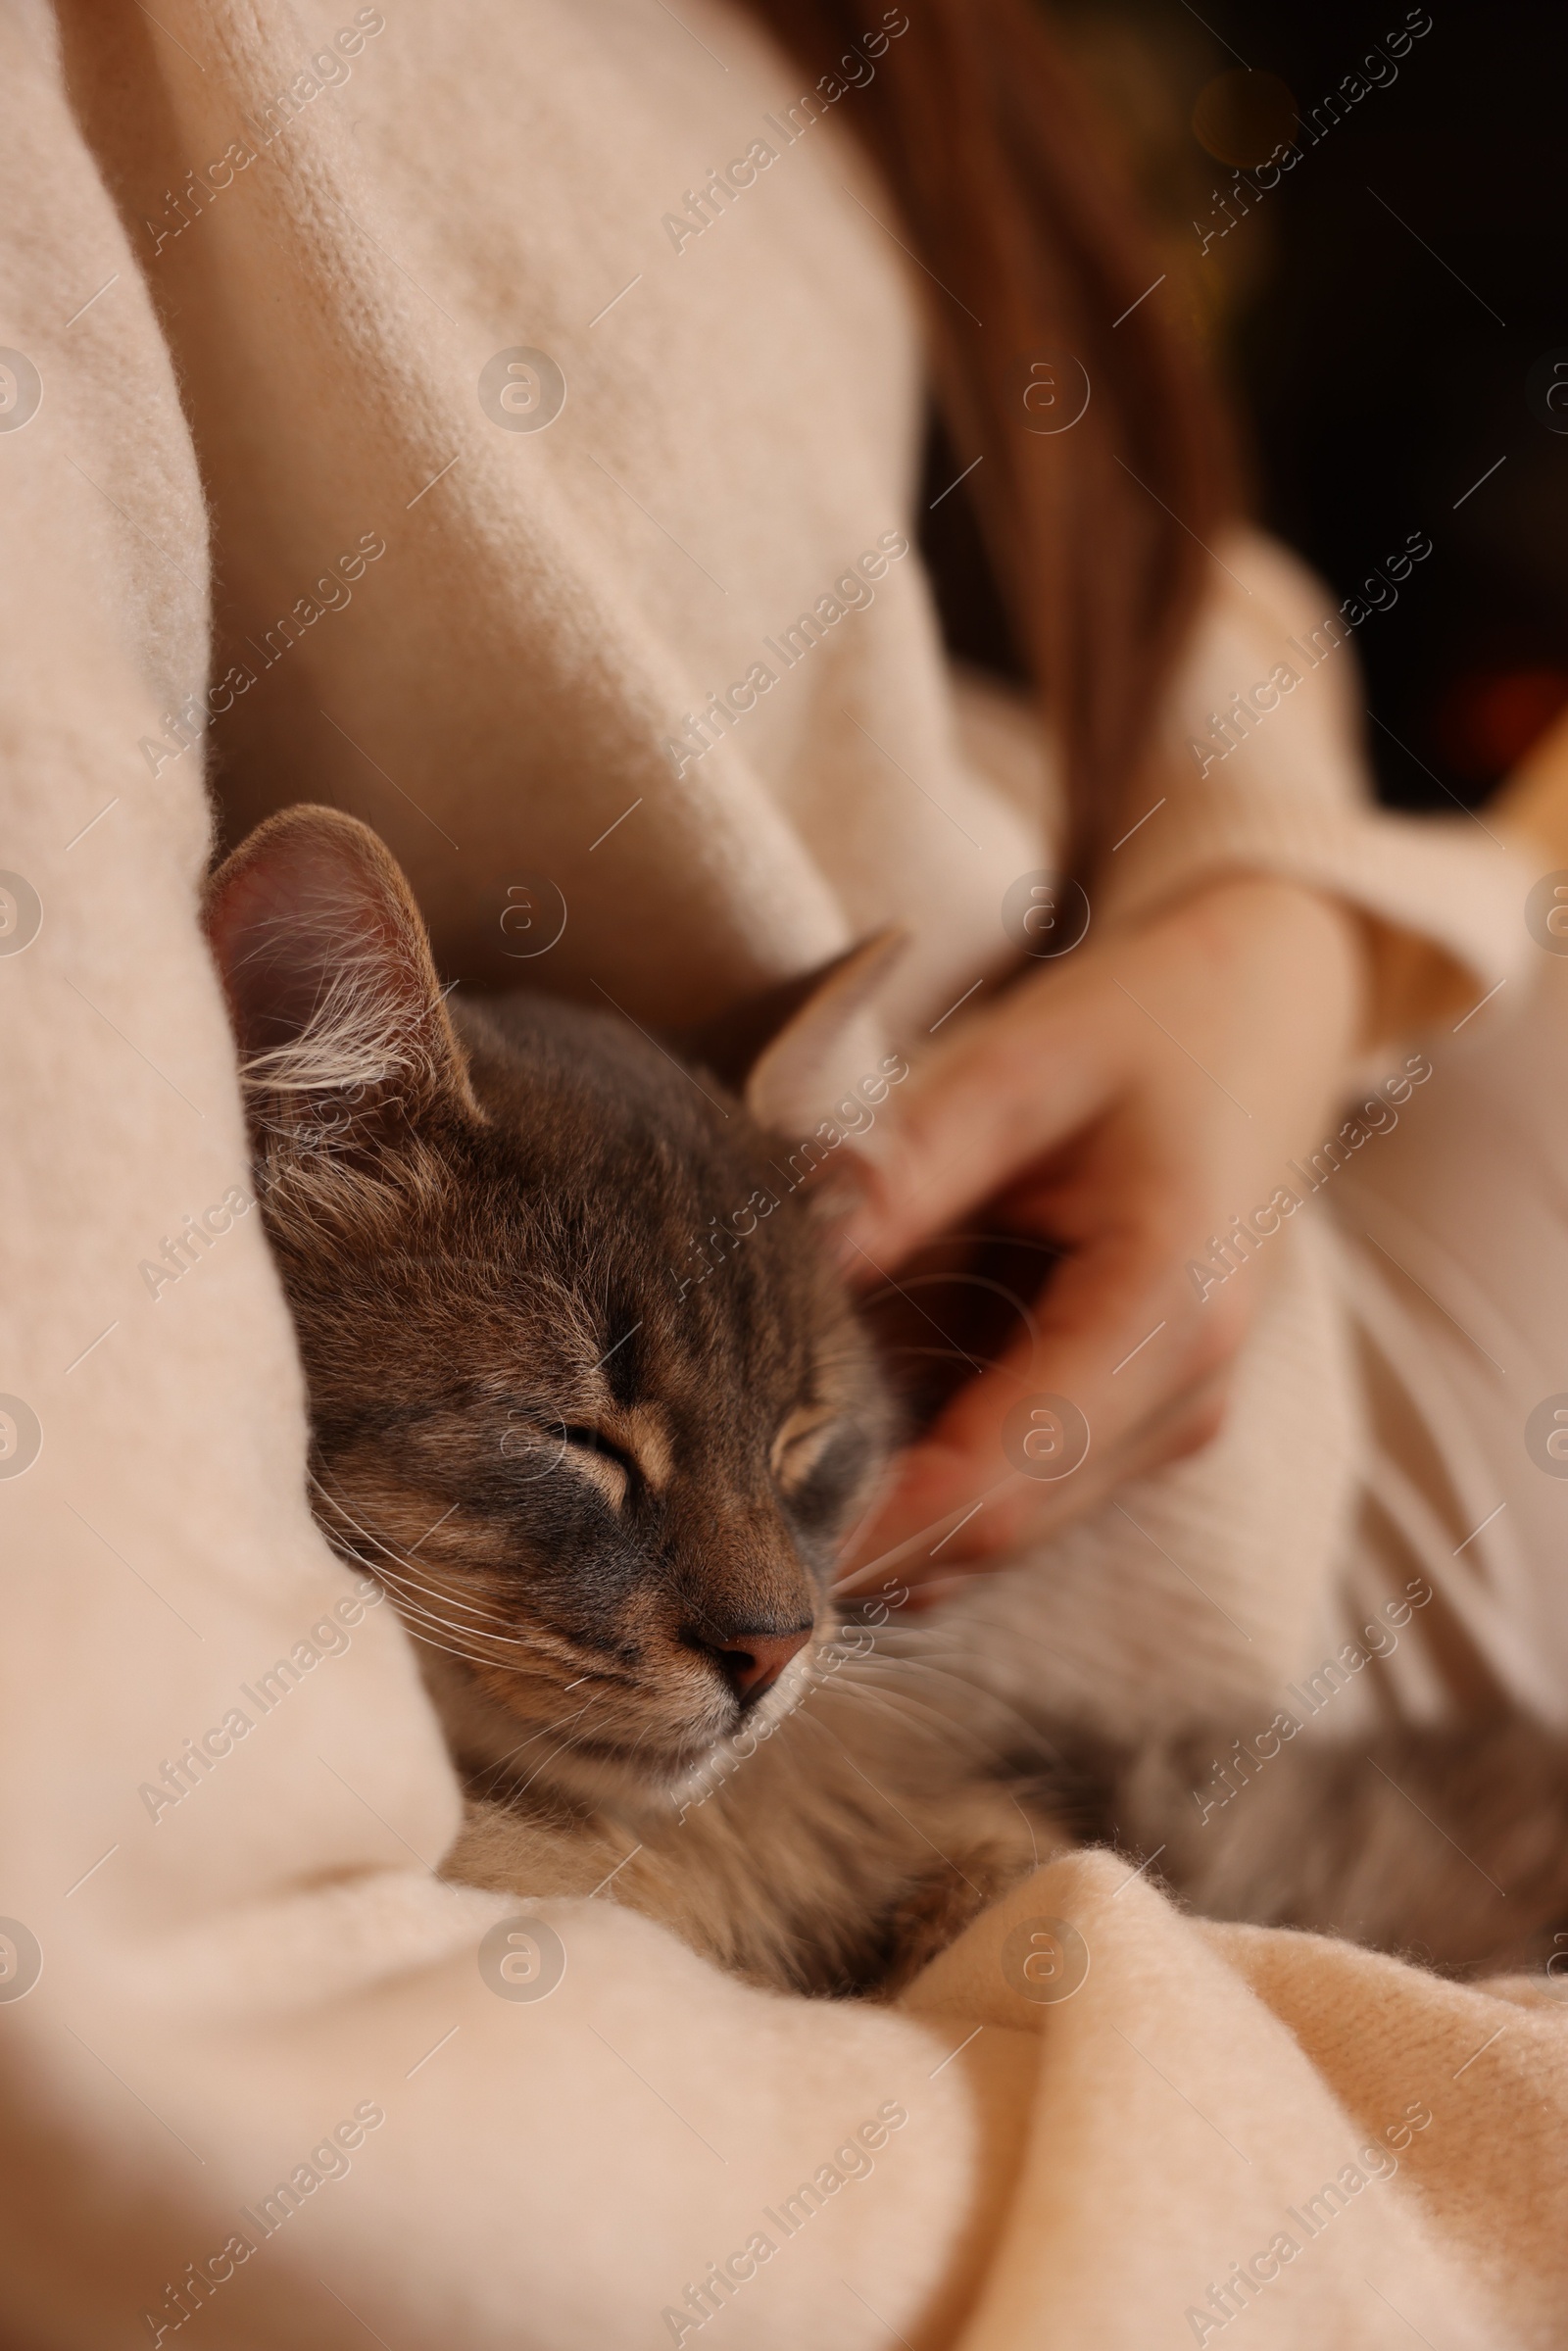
326, 966
788, 1053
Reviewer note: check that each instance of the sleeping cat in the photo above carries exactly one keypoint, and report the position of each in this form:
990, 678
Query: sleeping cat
589, 1397
605, 1491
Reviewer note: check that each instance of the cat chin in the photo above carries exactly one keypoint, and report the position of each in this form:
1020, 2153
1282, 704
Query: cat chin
685, 1772
486, 1735
675, 1780
674, 1776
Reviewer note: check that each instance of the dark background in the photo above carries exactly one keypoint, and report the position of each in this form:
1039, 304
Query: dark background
1380, 365
1380, 387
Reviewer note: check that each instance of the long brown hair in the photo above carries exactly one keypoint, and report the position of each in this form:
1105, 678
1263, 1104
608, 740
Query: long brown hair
1014, 200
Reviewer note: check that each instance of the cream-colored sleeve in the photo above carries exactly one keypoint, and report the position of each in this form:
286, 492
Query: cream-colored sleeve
1259, 764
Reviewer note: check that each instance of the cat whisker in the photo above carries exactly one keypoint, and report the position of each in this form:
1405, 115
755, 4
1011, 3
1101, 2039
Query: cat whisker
402, 1560
1028, 1727
421, 1623
959, 1681
476, 1635
413, 1613
899, 1701
934, 1730
516, 1794
404, 1586
495, 1770
496, 1775
857, 1671
478, 1647
1030, 1736
465, 1656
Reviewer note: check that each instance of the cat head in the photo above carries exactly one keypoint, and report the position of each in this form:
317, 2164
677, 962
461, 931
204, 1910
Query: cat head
585, 1390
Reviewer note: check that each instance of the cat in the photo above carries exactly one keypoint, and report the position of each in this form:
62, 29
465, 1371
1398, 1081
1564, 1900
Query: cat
589, 1397
605, 1491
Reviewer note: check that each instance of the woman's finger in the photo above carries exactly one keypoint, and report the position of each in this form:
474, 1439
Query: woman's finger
1122, 1345
1003, 1095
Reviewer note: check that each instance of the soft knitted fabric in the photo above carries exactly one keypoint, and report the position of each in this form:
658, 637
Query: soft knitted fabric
264, 2076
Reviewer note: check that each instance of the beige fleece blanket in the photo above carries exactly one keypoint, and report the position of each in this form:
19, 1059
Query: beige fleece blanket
265, 2077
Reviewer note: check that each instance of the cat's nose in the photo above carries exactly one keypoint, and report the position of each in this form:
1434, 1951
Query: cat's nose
751, 1662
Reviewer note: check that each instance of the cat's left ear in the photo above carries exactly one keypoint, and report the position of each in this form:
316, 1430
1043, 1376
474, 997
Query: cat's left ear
791, 1050
326, 966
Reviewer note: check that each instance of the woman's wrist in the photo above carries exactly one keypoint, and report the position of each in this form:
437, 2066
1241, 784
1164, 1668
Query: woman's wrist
1332, 940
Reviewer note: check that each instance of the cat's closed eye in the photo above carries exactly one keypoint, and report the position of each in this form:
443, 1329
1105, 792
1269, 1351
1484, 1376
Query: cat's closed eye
615, 1470
621, 1464
546, 1449
820, 1467
594, 1441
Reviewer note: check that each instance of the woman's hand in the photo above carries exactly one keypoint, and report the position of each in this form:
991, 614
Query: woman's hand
1125, 1104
